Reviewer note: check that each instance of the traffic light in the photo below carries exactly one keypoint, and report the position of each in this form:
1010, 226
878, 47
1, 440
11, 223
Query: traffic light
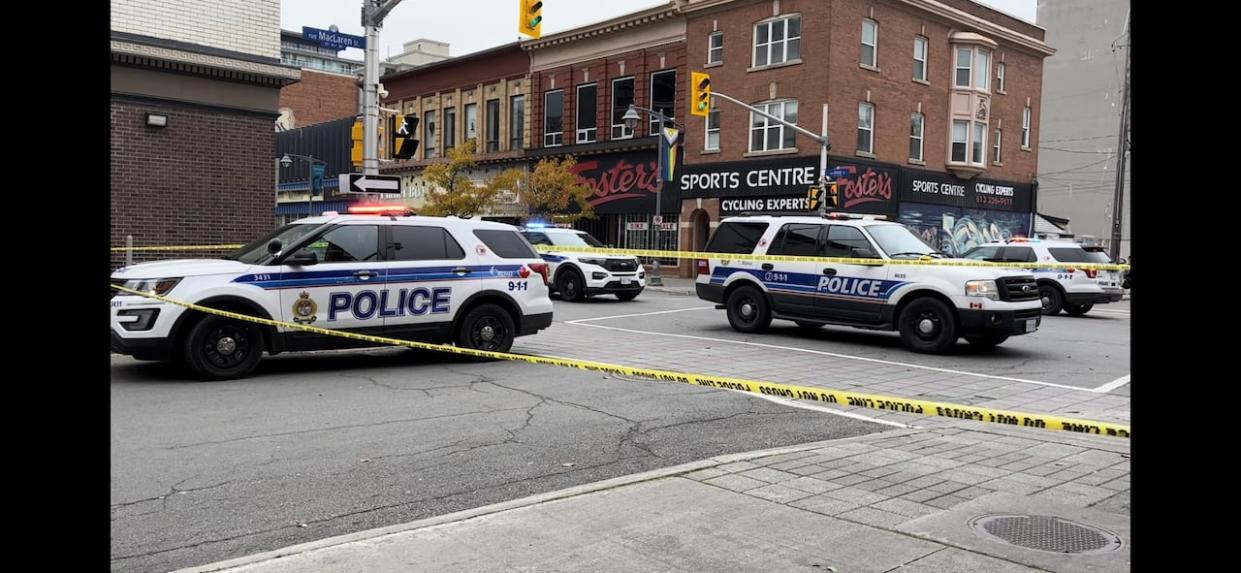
530, 18
700, 94
813, 196
833, 197
355, 152
406, 137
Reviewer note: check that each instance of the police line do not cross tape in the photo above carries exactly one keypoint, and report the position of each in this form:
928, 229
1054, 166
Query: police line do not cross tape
812, 393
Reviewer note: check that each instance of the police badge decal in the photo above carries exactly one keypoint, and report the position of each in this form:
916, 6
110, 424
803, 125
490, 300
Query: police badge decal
304, 309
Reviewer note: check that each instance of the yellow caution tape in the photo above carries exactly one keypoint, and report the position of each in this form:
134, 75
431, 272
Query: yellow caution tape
181, 248
825, 395
926, 261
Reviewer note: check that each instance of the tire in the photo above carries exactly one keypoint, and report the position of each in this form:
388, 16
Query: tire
808, 325
487, 327
570, 285
987, 341
748, 310
1053, 301
928, 325
628, 296
1077, 309
218, 348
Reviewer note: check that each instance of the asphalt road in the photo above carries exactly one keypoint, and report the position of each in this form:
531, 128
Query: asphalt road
323, 444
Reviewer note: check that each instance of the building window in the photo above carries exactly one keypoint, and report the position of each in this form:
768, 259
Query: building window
553, 118
1025, 128
980, 143
960, 132
870, 43
965, 57
450, 127
767, 135
471, 121
517, 122
715, 48
587, 113
995, 158
493, 125
999, 77
428, 119
777, 41
917, 123
866, 127
663, 96
982, 71
920, 44
713, 129
622, 98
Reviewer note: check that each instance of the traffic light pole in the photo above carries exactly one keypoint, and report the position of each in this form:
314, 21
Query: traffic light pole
823, 140
373, 13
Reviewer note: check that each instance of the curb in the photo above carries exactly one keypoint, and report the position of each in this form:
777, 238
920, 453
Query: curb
524, 502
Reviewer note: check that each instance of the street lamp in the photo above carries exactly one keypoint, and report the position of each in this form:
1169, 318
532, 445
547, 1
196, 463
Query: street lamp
631, 119
310, 194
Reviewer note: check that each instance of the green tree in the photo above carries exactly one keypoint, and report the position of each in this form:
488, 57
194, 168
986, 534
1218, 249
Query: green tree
451, 191
553, 190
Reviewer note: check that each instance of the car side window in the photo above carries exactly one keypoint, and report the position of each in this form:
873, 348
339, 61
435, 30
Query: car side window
1019, 255
415, 243
798, 239
538, 238
346, 244
843, 241
982, 254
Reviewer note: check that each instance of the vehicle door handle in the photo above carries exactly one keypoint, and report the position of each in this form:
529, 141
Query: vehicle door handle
462, 270
768, 266
829, 272
366, 274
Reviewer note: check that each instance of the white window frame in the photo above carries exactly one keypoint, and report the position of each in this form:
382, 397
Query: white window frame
871, 135
706, 142
921, 64
956, 66
982, 72
965, 143
447, 129
771, 44
919, 119
978, 147
553, 139
1000, 70
468, 107
625, 132
430, 134
713, 51
653, 123
1026, 116
591, 134
995, 146
767, 124
874, 48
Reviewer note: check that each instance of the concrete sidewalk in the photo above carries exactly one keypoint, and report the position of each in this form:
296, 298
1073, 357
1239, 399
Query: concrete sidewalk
895, 501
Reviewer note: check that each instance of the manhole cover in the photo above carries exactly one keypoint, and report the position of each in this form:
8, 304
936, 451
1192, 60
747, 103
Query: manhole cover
1046, 533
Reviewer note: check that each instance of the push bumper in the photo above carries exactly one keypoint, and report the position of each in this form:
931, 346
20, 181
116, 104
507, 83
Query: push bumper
997, 322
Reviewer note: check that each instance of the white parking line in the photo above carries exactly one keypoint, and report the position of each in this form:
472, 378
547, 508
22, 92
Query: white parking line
805, 406
1114, 384
581, 322
639, 314
1112, 311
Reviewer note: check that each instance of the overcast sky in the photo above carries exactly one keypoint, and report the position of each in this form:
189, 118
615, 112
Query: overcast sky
472, 25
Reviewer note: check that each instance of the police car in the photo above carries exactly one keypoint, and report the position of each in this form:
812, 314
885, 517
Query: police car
478, 284
579, 275
931, 306
1075, 291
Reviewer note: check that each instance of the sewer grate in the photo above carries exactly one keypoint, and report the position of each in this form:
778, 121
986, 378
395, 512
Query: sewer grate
1046, 533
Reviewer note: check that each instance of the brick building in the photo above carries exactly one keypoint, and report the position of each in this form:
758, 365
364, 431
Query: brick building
933, 108
481, 96
329, 88
583, 81
194, 91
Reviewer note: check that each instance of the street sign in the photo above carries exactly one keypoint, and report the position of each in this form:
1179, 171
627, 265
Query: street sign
333, 40
668, 226
636, 226
361, 183
838, 172
316, 178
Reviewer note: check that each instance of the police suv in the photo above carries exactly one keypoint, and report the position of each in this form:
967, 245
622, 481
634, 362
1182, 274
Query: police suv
1075, 291
578, 275
478, 284
931, 306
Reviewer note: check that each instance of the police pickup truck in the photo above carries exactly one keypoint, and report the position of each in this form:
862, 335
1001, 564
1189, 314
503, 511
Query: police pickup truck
931, 306
579, 275
478, 284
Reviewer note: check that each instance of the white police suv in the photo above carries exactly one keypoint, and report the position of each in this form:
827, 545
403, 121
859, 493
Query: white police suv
1074, 291
578, 275
478, 284
931, 306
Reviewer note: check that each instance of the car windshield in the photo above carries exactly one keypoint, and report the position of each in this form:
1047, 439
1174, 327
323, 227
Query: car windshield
256, 250
899, 242
1098, 256
574, 240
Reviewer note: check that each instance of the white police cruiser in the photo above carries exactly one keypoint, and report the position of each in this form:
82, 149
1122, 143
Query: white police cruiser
476, 283
1074, 291
931, 306
579, 275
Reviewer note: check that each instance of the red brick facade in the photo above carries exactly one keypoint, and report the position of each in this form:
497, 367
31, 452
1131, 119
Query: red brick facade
320, 97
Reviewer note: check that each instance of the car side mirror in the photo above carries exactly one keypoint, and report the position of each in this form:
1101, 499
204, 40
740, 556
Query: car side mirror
1123, 261
302, 259
274, 246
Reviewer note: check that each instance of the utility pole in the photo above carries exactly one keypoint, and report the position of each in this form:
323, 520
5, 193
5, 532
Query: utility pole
1123, 148
373, 14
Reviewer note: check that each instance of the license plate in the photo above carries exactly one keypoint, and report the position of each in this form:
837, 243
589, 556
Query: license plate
1031, 325
626, 280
